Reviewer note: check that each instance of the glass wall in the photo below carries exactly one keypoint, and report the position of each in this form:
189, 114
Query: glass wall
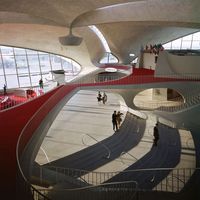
24, 67
109, 58
191, 41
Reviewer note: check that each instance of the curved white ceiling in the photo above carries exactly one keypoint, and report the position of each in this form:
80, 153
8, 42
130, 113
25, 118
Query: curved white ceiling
126, 24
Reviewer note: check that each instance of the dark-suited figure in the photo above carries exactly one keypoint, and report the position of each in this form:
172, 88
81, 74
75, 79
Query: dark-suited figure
114, 121
156, 135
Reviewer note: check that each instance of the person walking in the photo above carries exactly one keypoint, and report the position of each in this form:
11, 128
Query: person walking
119, 118
114, 121
156, 135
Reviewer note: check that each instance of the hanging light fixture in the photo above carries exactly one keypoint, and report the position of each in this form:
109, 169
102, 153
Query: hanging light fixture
70, 39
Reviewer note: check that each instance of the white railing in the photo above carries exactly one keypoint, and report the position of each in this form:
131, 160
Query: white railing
191, 96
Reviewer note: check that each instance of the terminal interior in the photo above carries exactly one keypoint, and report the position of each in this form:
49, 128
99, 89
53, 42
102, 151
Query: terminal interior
60, 139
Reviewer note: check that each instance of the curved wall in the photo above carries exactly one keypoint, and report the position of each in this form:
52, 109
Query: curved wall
177, 66
12, 122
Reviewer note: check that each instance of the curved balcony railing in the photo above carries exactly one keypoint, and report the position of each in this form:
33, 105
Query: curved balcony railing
33, 124
126, 190
172, 106
157, 179
136, 79
28, 132
19, 96
191, 101
114, 80
152, 105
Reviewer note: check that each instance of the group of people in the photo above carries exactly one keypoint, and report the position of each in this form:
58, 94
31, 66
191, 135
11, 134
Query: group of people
156, 48
101, 97
116, 120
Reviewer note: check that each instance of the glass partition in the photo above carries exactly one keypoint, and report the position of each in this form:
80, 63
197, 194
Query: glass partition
191, 41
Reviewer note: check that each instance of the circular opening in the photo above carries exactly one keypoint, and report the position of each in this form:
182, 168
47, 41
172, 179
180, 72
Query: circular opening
110, 69
158, 97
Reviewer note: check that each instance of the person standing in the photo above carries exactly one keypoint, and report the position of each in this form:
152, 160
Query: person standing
156, 57
114, 121
104, 99
156, 135
99, 97
119, 118
4, 89
41, 83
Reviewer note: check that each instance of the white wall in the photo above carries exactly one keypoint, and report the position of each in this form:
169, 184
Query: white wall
177, 66
146, 60
149, 61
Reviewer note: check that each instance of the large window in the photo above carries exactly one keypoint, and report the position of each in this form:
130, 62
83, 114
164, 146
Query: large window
191, 41
24, 67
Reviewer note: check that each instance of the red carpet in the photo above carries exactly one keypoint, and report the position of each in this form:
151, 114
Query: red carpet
139, 76
143, 72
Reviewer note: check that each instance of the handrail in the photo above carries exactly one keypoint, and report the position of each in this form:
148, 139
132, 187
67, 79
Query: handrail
99, 142
32, 125
190, 100
37, 194
172, 186
18, 100
156, 105
29, 123
93, 186
124, 152
141, 79
45, 154
187, 143
125, 189
158, 180
125, 171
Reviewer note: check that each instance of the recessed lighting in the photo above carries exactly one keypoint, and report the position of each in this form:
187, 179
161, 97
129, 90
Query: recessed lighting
132, 54
110, 69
